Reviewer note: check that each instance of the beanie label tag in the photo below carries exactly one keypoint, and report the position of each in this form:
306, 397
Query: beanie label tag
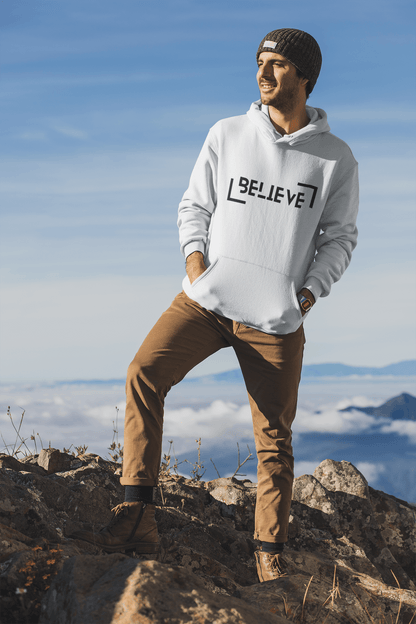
269, 44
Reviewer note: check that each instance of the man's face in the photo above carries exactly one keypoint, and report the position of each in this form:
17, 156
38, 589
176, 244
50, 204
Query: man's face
278, 82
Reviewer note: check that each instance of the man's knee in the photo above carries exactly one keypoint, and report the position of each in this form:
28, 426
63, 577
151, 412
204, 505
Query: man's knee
140, 369
149, 371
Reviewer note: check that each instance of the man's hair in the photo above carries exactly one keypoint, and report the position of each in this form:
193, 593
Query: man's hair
308, 87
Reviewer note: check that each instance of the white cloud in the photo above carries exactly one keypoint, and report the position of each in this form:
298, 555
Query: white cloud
401, 427
107, 414
210, 422
371, 471
332, 421
358, 401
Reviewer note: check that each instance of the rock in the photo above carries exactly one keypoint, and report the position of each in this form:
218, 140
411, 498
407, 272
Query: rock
358, 544
53, 460
236, 499
341, 477
322, 590
115, 588
7, 461
338, 512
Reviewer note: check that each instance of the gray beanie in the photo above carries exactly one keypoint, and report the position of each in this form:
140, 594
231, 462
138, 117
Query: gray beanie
298, 47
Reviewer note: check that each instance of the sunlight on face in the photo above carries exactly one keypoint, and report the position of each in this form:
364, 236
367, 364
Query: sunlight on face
279, 84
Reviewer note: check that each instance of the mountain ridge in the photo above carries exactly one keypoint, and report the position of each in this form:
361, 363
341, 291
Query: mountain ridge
404, 368
402, 407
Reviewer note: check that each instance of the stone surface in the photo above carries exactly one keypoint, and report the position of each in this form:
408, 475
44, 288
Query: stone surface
358, 545
337, 510
6, 461
321, 590
53, 460
118, 589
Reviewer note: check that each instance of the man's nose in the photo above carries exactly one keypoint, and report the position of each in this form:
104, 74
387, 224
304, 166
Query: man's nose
265, 71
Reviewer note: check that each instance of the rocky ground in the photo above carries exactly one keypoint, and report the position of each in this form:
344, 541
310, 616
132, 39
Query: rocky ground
351, 555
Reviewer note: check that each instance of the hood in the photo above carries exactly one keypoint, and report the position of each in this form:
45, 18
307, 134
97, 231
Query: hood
259, 116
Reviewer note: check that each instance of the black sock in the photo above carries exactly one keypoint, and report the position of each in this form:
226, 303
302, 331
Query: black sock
273, 548
137, 493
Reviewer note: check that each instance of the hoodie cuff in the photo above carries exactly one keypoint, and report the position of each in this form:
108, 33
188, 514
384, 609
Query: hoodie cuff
193, 246
314, 286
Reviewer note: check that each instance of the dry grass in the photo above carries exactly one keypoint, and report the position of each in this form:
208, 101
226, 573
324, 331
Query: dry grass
116, 450
169, 464
19, 446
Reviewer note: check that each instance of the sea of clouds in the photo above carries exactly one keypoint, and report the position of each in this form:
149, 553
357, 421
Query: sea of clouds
69, 415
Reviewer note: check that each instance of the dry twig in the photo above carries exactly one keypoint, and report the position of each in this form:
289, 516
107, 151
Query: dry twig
401, 596
240, 465
304, 598
219, 476
335, 591
115, 448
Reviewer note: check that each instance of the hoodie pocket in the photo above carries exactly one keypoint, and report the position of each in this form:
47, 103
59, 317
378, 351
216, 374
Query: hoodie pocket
204, 274
249, 294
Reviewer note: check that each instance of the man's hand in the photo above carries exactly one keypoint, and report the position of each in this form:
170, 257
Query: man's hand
306, 293
195, 265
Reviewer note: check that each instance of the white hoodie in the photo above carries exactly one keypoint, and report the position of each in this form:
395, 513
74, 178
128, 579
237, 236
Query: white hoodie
271, 214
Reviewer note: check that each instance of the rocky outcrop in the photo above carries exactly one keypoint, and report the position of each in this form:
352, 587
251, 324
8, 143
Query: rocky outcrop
118, 589
351, 555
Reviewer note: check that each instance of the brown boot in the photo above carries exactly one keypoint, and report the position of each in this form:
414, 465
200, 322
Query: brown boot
133, 527
270, 567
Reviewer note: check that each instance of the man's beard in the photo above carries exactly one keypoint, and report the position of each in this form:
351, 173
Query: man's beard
285, 101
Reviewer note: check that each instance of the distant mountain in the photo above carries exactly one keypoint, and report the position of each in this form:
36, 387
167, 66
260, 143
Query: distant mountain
402, 407
399, 369
408, 367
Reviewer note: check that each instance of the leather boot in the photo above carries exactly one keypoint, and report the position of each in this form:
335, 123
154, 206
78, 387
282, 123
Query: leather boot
132, 527
270, 567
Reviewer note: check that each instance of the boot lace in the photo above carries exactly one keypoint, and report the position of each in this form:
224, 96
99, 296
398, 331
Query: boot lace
118, 510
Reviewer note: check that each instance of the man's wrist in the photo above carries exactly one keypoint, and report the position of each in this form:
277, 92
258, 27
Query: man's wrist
195, 265
306, 299
308, 294
195, 256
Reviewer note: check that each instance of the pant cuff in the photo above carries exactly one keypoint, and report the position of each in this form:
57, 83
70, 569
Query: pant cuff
137, 481
275, 539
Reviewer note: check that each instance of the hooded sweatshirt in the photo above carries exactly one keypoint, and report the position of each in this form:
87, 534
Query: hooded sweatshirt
271, 214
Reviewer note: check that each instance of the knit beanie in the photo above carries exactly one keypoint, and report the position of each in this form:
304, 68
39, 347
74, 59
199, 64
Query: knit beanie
298, 47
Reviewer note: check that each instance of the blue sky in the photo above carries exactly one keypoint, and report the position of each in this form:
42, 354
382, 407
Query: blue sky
104, 107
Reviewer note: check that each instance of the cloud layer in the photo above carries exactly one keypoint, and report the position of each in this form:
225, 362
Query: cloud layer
78, 414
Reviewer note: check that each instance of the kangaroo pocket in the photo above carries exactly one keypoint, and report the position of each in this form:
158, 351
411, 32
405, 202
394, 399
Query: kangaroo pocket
249, 294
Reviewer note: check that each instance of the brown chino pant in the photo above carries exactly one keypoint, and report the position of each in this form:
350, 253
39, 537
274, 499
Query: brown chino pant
185, 335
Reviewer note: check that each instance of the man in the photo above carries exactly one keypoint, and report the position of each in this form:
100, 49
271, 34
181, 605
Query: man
267, 225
